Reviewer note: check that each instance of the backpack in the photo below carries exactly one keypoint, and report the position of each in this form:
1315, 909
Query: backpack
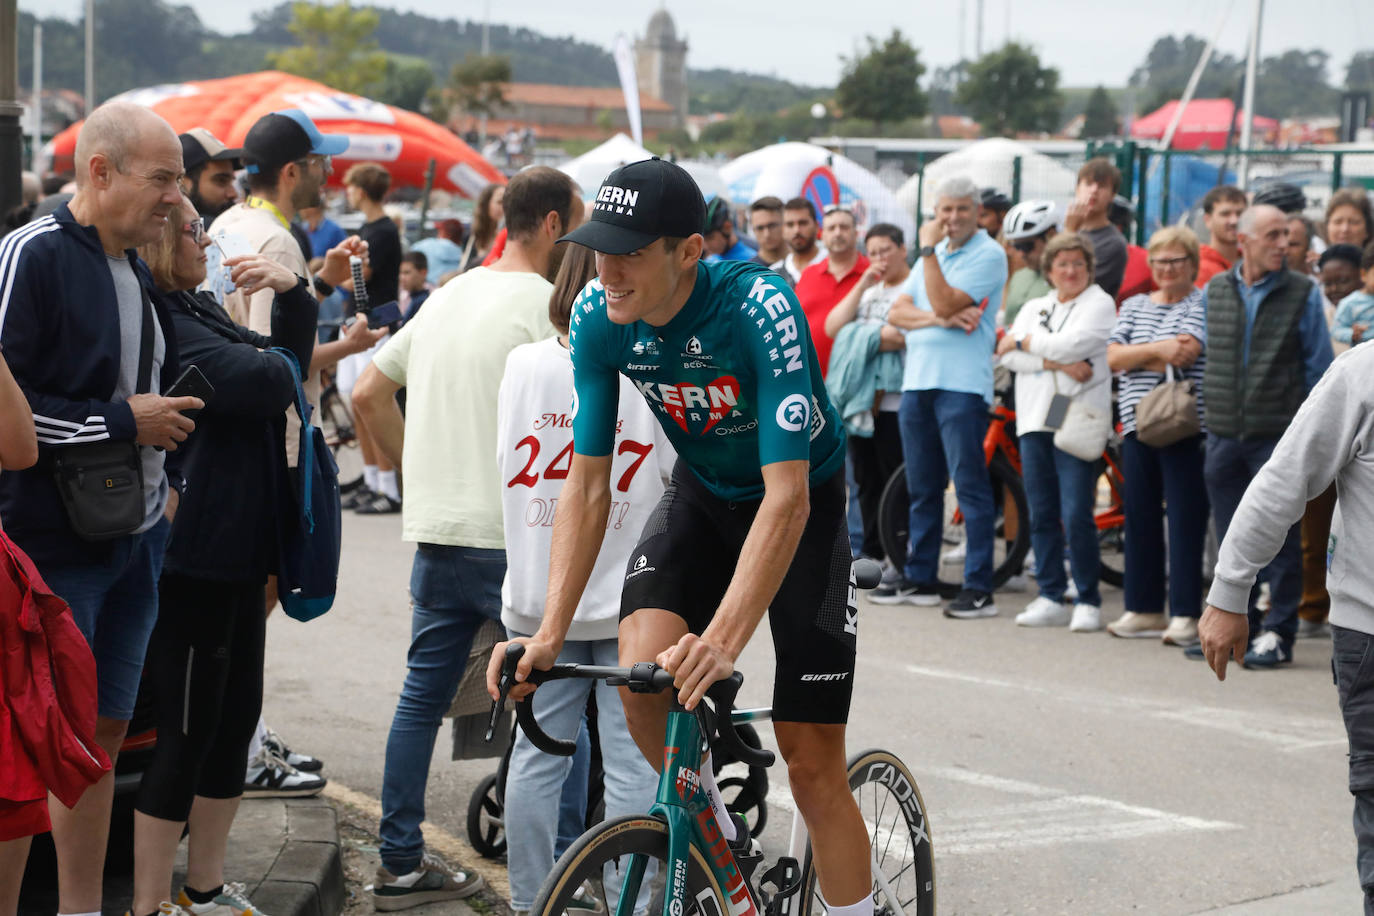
309, 568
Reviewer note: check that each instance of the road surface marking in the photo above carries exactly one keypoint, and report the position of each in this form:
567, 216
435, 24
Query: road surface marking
1288, 733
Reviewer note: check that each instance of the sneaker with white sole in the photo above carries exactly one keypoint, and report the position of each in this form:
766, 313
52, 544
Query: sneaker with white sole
971, 605
164, 909
269, 776
232, 900
1044, 612
303, 762
1087, 618
955, 555
1017, 583
904, 591
1138, 625
1182, 631
431, 881
1268, 651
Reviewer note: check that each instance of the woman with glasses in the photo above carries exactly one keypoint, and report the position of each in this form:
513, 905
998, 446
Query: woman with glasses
231, 488
1164, 485
1058, 349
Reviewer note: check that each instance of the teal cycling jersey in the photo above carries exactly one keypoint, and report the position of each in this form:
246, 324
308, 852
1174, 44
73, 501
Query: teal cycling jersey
733, 379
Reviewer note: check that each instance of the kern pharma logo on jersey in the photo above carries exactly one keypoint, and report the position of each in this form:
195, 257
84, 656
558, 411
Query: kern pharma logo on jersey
695, 408
783, 338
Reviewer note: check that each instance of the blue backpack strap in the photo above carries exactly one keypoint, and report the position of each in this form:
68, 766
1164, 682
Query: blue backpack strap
306, 453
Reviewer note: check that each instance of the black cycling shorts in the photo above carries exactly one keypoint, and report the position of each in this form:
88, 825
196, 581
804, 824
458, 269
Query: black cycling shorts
686, 557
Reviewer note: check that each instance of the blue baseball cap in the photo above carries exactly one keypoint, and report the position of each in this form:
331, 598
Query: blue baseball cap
286, 136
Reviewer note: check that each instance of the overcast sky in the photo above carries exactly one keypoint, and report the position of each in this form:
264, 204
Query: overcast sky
802, 40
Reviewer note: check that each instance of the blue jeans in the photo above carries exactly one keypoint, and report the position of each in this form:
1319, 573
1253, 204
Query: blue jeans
942, 437
1229, 467
572, 804
1060, 491
452, 590
535, 779
114, 604
1164, 484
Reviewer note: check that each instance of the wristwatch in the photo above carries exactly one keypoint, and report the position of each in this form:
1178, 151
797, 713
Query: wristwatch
323, 288
926, 251
1019, 342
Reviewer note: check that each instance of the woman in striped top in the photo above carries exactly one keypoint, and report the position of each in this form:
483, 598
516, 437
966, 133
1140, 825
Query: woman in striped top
1165, 328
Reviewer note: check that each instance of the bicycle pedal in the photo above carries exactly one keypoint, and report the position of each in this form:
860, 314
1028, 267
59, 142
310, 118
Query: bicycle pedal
785, 875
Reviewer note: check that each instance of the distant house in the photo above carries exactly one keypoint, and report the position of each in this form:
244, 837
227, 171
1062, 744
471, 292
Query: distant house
574, 112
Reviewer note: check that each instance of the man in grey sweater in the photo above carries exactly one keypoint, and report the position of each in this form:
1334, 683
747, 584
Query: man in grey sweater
1331, 438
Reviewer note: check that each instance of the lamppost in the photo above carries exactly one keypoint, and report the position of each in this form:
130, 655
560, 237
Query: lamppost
11, 132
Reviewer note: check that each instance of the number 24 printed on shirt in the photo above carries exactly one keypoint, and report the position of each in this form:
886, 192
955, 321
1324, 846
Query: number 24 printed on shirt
558, 468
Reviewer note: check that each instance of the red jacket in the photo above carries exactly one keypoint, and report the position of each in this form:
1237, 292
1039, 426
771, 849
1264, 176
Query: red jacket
1210, 263
48, 702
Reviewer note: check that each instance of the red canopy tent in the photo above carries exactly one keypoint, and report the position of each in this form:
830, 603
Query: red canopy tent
1204, 124
401, 140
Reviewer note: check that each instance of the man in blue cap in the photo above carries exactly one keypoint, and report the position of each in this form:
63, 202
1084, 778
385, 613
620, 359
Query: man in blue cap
288, 162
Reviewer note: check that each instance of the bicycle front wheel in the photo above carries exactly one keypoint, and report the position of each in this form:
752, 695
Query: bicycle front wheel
903, 862
598, 864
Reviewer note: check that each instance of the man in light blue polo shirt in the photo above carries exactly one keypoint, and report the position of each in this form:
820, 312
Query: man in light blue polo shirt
948, 311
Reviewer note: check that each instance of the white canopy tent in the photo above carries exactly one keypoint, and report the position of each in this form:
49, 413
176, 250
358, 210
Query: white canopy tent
788, 170
592, 167
990, 163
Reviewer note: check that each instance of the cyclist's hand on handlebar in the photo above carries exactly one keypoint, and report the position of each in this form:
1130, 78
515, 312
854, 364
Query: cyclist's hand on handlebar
695, 665
538, 654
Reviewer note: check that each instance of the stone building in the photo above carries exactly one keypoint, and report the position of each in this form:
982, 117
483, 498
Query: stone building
661, 64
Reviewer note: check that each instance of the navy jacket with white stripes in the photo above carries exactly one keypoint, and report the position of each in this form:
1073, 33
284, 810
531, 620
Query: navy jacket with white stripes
59, 326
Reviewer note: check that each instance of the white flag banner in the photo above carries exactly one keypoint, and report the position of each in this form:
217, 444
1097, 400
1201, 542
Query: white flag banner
629, 84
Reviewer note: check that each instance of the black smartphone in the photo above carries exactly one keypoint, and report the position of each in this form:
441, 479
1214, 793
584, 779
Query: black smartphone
1059, 409
382, 315
192, 383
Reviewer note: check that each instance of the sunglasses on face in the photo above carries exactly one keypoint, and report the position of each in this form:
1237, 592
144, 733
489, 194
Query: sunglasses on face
1025, 246
196, 230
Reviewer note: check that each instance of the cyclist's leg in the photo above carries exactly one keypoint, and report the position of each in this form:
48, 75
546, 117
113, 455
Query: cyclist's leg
817, 773
814, 622
643, 634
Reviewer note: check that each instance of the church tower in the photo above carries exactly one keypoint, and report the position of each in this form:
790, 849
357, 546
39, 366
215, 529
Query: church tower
661, 64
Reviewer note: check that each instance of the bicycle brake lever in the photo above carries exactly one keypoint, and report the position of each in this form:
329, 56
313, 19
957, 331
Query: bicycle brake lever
514, 652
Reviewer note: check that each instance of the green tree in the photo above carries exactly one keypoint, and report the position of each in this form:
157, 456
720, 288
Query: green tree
1294, 83
477, 83
1164, 73
336, 47
1008, 92
406, 83
1099, 118
883, 85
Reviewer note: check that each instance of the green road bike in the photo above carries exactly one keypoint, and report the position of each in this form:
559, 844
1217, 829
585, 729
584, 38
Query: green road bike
677, 852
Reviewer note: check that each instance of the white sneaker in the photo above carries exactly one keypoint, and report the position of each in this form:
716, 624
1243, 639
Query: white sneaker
1182, 631
1137, 625
955, 555
1087, 618
1016, 583
1043, 612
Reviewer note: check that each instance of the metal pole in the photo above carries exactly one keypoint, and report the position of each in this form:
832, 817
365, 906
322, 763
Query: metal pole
90, 56
486, 49
920, 188
1164, 193
424, 198
11, 132
1336, 172
1016, 180
1251, 65
1193, 79
36, 103
978, 32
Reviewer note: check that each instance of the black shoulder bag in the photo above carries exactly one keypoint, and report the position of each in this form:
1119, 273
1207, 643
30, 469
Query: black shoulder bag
101, 483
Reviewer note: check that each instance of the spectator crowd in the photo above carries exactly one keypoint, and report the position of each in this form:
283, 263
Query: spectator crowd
158, 324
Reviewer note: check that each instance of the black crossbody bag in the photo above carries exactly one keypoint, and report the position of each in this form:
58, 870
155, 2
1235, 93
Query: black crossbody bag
101, 483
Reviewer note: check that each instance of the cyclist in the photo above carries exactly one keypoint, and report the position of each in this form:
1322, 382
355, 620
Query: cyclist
753, 519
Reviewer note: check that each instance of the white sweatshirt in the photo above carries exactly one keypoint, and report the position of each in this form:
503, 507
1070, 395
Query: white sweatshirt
1331, 438
1063, 332
534, 443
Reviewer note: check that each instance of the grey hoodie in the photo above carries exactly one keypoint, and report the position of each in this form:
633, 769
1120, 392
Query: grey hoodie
1331, 438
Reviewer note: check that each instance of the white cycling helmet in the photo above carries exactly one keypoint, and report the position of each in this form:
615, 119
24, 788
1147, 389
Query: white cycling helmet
1029, 219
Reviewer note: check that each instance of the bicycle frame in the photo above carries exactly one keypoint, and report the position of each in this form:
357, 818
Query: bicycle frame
683, 804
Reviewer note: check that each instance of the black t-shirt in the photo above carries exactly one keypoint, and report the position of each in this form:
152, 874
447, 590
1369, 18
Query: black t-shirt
384, 255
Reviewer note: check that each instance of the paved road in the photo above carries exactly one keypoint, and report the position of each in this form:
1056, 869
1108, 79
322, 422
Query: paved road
1064, 773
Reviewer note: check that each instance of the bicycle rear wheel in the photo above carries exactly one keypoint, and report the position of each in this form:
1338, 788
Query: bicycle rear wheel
1011, 533
898, 835
601, 858
1111, 525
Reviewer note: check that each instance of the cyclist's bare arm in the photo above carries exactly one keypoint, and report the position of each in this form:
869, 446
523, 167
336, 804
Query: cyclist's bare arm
579, 526
698, 662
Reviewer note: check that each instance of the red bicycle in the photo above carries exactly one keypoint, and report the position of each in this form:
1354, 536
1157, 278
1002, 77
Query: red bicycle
1012, 538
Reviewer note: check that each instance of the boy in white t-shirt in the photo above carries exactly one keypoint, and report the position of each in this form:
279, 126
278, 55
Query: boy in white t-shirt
534, 452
